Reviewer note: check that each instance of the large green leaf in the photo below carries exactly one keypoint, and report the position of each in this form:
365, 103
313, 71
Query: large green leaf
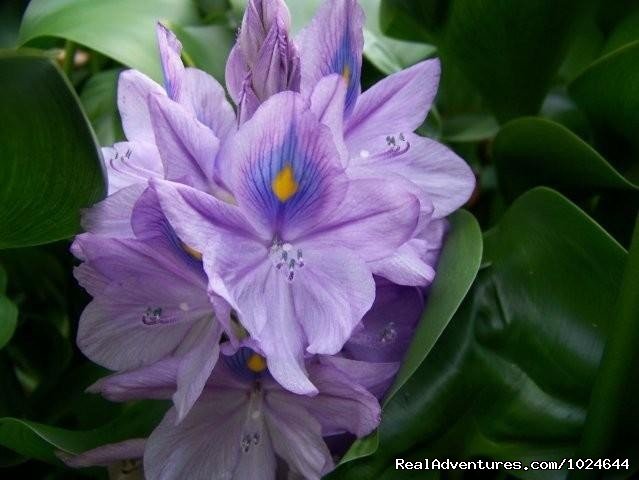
608, 91
8, 312
511, 376
499, 46
38, 441
121, 29
457, 269
387, 54
534, 151
51, 164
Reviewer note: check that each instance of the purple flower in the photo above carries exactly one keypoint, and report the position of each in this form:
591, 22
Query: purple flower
244, 420
173, 132
264, 60
150, 303
291, 256
373, 130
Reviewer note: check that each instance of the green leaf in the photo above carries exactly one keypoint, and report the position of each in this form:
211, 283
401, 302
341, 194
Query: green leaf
8, 320
40, 442
498, 45
387, 54
608, 91
457, 269
121, 29
99, 98
51, 164
468, 128
511, 377
413, 21
206, 47
533, 151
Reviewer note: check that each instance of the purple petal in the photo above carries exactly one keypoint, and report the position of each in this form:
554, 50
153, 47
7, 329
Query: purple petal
297, 437
156, 381
327, 103
341, 405
205, 97
134, 89
389, 326
198, 218
106, 455
331, 295
207, 443
172, 66
374, 377
202, 349
188, 148
414, 262
112, 216
240, 271
399, 103
128, 163
333, 43
283, 162
373, 219
235, 74
445, 178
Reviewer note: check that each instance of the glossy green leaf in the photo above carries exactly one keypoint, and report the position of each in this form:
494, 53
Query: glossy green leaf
121, 29
413, 21
534, 151
469, 128
38, 441
99, 98
457, 269
510, 378
8, 320
206, 47
51, 166
608, 91
387, 54
498, 45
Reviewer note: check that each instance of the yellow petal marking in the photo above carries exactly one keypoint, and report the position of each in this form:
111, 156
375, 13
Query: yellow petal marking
284, 185
192, 251
346, 73
256, 363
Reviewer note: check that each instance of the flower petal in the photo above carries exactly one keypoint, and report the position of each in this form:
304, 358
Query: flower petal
202, 349
333, 43
188, 148
106, 455
172, 66
327, 103
240, 271
128, 163
342, 405
283, 162
414, 263
297, 437
134, 89
373, 376
205, 97
112, 216
389, 326
445, 178
398, 103
331, 294
373, 219
205, 445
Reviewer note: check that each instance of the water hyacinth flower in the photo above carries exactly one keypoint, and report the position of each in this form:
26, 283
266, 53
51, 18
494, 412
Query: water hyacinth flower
290, 257
243, 421
150, 303
264, 60
190, 109
374, 130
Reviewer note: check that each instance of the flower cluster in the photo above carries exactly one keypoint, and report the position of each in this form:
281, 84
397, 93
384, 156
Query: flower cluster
263, 265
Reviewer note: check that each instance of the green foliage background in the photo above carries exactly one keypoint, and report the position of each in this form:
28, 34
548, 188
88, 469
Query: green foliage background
527, 349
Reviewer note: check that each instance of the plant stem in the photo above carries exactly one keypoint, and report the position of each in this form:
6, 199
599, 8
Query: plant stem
69, 58
617, 364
